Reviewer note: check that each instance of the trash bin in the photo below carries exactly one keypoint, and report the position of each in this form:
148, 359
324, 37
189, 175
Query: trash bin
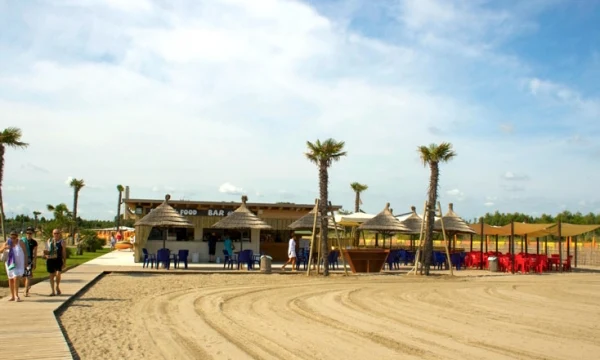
265, 264
493, 261
195, 257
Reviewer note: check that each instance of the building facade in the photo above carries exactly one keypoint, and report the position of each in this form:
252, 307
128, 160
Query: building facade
203, 214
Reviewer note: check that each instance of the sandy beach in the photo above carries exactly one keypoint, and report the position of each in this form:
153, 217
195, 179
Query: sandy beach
360, 317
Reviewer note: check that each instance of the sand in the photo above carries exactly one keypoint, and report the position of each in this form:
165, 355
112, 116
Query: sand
360, 317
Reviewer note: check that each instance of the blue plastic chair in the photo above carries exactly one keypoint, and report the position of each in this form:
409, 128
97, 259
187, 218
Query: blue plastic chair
439, 259
163, 256
457, 260
302, 258
245, 257
228, 260
149, 259
182, 255
332, 258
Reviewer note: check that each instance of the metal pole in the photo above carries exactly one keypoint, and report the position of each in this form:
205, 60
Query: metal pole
481, 245
512, 246
560, 245
471, 248
312, 238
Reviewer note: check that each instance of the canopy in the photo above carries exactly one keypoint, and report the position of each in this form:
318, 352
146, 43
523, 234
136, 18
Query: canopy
306, 222
384, 222
164, 216
452, 223
489, 229
566, 229
354, 219
242, 218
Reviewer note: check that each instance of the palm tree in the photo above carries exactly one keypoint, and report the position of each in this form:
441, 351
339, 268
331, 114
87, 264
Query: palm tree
35, 219
323, 155
9, 137
120, 188
61, 213
77, 185
433, 155
358, 188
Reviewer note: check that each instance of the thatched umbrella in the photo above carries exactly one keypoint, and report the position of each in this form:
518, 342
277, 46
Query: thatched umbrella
241, 219
413, 222
453, 224
306, 222
384, 223
164, 216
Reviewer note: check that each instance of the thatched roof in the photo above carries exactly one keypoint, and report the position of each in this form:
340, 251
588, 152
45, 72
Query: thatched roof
413, 221
242, 218
164, 216
453, 223
384, 222
306, 222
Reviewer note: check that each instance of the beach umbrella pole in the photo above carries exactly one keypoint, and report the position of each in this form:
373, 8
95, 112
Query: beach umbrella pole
420, 244
312, 238
445, 239
338, 239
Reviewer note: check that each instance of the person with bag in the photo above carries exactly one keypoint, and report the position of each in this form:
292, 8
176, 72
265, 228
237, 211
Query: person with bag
56, 260
14, 256
31, 245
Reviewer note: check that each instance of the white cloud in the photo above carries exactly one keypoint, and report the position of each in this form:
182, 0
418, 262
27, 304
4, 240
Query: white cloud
230, 189
15, 188
193, 93
511, 176
68, 181
456, 193
488, 204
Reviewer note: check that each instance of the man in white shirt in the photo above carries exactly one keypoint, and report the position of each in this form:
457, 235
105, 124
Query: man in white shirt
291, 254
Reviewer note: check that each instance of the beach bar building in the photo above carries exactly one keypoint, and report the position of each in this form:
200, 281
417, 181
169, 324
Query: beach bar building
204, 214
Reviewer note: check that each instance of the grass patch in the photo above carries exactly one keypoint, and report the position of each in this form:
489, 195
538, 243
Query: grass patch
40, 272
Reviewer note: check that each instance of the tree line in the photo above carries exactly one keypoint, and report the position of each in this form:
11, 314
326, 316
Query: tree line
500, 219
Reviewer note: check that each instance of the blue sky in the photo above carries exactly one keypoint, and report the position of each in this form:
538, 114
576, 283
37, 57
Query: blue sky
207, 100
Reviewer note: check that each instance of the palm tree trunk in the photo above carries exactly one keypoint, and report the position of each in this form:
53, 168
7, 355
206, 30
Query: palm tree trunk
75, 200
119, 212
432, 198
356, 209
323, 183
1, 199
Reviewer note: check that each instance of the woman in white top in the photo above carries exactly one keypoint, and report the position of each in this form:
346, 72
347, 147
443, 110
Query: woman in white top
291, 255
15, 264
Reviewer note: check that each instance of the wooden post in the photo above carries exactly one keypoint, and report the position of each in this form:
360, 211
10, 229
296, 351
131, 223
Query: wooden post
575, 243
546, 244
568, 247
338, 238
560, 245
312, 238
496, 244
471, 247
420, 244
487, 240
512, 246
481, 245
445, 239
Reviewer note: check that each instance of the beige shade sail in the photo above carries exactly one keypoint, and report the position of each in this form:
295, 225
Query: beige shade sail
242, 218
566, 229
452, 223
489, 229
521, 229
354, 219
384, 222
164, 215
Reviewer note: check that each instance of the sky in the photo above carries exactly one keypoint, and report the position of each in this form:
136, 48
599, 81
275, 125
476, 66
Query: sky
209, 100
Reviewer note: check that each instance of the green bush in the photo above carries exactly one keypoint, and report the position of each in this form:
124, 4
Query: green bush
90, 241
70, 252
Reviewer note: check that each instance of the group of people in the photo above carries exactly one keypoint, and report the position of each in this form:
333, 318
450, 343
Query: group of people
20, 257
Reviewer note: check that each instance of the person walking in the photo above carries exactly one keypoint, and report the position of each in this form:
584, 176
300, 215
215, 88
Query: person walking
113, 242
31, 245
56, 260
291, 254
15, 263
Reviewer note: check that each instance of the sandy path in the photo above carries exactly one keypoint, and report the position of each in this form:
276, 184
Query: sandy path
370, 317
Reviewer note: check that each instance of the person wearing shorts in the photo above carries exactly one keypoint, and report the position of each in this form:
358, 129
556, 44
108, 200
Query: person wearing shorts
31, 246
56, 256
212, 247
291, 254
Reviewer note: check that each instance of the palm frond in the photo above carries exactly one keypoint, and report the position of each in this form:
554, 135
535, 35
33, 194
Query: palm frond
11, 137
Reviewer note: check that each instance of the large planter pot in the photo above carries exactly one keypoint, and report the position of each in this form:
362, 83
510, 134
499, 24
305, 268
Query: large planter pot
366, 260
122, 246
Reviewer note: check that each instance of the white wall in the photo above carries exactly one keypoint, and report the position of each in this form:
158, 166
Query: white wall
202, 247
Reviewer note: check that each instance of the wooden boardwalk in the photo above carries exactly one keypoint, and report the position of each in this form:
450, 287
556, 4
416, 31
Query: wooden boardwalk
30, 329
